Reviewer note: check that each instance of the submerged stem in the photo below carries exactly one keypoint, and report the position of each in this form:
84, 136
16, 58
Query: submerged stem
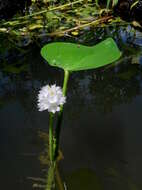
50, 176
58, 179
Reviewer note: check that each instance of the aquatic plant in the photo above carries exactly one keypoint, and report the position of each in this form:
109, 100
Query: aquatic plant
70, 57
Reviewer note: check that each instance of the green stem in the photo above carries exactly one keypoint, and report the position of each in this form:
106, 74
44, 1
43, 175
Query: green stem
66, 78
53, 148
60, 116
51, 136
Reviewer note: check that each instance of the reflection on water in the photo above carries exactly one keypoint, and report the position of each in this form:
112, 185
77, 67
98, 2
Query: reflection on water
101, 133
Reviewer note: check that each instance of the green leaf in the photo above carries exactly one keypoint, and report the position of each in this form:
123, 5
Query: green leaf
134, 4
74, 57
108, 4
114, 3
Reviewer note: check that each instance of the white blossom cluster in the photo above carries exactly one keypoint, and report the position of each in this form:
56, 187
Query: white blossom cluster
50, 98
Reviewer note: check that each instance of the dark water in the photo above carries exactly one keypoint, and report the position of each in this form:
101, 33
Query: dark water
101, 133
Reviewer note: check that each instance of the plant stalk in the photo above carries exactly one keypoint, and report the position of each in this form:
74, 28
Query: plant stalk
50, 176
53, 148
51, 115
60, 116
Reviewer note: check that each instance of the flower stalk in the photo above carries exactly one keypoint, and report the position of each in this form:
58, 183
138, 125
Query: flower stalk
51, 155
60, 115
51, 98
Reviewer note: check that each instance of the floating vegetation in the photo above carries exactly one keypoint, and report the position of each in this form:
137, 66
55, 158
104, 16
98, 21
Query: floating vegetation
51, 18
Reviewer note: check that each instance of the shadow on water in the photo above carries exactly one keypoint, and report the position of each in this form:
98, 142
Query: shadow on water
101, 132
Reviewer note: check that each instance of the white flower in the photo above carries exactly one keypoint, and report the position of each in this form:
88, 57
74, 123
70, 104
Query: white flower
50, 98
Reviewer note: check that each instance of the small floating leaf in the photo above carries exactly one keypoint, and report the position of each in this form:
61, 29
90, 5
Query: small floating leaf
3, 30
75, 57
75, 33
136, 24
35, 26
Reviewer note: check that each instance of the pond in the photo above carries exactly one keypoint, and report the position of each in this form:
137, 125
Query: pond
101, 133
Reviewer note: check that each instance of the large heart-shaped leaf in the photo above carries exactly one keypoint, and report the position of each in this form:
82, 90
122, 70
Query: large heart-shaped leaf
74, 57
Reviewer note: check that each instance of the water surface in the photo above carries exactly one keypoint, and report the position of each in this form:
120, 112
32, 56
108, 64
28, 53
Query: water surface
101, 133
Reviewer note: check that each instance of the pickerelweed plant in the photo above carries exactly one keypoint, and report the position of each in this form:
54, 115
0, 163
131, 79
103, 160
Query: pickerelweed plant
70, 57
